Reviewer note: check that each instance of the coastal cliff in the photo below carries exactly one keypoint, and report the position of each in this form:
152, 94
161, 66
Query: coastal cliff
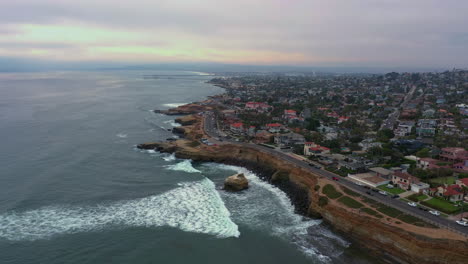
385, 236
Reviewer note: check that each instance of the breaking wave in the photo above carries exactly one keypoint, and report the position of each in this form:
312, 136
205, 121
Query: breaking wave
191, 207
121, 135
173, 105
265, 207
185, 165
169, 157
172, 123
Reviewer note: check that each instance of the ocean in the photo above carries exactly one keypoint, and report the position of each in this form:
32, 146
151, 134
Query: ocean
75, 189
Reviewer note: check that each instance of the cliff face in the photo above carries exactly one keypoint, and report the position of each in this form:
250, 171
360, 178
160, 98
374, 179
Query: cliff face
395, 242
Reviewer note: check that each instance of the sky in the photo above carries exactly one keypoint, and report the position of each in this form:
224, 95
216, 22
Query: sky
381, 33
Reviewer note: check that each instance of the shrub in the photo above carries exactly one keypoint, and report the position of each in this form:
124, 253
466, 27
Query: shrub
317, 187
322, 201
194, 144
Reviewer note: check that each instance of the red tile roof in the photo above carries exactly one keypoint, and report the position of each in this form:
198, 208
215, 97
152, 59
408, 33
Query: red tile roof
453, 190
237, 125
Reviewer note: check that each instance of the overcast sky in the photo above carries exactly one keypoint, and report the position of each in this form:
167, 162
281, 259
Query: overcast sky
385, 33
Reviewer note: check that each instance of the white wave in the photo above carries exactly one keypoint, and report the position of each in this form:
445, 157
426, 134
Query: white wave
173, 105
169, 157
172, 123
192, 207
151, 151
121, 135
185, 165
266, 207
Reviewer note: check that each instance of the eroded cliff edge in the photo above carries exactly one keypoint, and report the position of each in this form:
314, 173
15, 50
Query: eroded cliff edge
383, 235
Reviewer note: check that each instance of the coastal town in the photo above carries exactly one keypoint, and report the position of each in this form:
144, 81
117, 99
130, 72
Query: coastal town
401, 135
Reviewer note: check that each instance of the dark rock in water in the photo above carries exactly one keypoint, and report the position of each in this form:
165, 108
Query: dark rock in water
178, 130
148, 146
169, 129
171, 139
236, 182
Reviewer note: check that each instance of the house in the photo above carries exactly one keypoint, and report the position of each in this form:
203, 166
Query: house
462, 182
260, 107
403, 180
453, 192
461, 167
310, 148
382, 172
426, 127
420, 187
404, 128
353, 166
237, 128
453, 154
428, 163
368, 178
289, 139
274, 127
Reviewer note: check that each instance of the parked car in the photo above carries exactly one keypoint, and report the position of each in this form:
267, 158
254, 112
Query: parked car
413, 204
463, 223
369, 193
375, 190
434, 212
335, 178
367, 187
395, 196
383, 193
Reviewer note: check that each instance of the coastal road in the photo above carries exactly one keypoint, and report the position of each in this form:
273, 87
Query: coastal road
211, 130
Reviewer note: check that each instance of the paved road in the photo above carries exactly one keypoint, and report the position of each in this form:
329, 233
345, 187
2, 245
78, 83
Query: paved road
393, 117
216, 137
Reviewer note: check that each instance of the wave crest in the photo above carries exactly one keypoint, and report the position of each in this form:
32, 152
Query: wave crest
192, 207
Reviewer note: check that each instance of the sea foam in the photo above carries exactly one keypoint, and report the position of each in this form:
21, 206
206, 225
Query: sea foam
173, 105
192, 207
266, 207
185, 166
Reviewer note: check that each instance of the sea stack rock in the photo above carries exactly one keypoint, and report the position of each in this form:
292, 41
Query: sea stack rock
236, 182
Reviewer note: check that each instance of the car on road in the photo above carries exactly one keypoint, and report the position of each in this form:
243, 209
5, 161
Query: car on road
369, 193
335, 179
462, 223
375, 190
434, 212
383, 193
395, 196
367, 187
413, 204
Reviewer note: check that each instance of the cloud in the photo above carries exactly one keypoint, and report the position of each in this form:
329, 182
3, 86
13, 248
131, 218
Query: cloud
310, 32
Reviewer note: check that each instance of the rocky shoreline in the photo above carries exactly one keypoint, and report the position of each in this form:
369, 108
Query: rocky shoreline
386, 238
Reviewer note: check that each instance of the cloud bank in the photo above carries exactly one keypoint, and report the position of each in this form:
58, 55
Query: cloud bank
429, 33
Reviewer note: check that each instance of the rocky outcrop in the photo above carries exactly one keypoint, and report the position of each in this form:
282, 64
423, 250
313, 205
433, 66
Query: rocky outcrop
236, 182
186, 120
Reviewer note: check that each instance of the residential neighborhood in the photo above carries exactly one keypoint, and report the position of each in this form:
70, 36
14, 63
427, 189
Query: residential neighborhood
404, 134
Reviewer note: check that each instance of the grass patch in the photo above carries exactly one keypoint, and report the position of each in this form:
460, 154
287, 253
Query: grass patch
441, 205
350, 202
390, 211
442, 180
349, 192
371, 212
417, 197
393, 190
330, 191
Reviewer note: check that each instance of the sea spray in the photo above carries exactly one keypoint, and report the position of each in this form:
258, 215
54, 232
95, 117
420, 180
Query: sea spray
192, 207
